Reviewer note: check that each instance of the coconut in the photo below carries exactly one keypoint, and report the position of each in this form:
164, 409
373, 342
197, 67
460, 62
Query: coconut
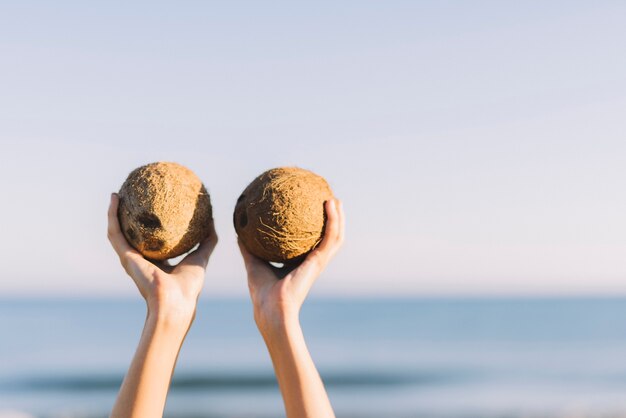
164, 210
280, 216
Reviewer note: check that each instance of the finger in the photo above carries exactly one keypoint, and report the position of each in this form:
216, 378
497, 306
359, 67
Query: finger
199, 258
342, 222
258, 270
250, 261
317, 259
331, 229
114, 232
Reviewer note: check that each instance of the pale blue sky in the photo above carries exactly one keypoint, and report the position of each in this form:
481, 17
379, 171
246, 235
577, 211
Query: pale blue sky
479, 147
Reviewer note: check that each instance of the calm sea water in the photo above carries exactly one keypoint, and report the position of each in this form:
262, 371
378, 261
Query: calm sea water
379, 358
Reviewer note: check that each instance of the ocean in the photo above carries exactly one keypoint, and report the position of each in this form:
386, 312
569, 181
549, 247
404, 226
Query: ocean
389, 358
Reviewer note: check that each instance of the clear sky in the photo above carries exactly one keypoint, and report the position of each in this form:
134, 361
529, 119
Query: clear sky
479, 147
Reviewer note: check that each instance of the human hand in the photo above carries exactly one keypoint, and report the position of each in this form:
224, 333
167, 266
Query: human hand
171, 292
277, 301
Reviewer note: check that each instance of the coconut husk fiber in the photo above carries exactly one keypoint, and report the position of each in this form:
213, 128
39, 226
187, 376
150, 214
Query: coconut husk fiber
280, 216
164, 210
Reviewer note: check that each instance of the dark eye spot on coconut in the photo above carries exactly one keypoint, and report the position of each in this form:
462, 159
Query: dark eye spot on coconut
243, 219
149, 220
154, 244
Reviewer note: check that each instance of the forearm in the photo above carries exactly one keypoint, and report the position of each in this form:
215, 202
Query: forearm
144, 390
300, 384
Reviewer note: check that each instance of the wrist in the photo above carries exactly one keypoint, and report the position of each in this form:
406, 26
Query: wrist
278, 326
283, 341
173, 319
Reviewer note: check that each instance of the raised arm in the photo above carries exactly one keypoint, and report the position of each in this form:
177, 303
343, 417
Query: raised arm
277, 304
171, 295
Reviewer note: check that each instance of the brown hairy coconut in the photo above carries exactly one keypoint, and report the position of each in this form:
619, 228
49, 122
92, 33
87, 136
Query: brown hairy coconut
164, 210
280, 216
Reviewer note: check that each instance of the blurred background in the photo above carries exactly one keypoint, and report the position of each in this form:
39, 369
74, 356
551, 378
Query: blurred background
478, 147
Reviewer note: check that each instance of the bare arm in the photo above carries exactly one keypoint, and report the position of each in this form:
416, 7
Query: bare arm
277, 304
171, 295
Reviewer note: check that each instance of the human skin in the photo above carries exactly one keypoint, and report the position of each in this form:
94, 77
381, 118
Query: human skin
277, 304
171, 295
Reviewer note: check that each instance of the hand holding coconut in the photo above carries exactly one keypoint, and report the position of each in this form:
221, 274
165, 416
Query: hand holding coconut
165, 212
277, 301
171, 292
277, 304
162, 211
286, 215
